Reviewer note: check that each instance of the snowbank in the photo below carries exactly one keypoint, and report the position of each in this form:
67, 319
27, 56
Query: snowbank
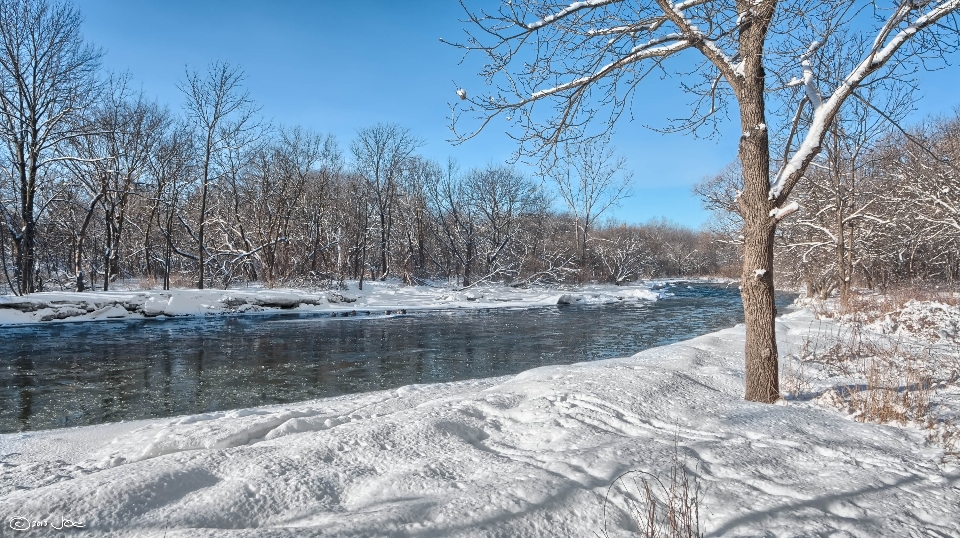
925, 319
525, 455
376, 297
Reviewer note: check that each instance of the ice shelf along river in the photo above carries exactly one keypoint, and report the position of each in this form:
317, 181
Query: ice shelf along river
76, 374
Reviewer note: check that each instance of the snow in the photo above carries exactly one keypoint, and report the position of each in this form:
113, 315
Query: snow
739, 69
575, 6
933, 321
376, 296
525, 455
785, 211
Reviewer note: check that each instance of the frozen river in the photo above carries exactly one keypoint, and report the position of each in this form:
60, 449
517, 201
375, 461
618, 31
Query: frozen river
88, 373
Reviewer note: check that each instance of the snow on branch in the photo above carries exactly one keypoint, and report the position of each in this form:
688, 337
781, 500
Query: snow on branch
781, 212
824, 112
698, 39
808, 81
680, 6
650, 25
572, 8
640, 52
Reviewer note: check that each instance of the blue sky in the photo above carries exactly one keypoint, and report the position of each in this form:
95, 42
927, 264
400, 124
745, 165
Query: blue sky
337, 66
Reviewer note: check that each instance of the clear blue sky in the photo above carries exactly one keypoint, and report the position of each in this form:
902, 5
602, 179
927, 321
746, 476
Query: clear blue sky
337, 66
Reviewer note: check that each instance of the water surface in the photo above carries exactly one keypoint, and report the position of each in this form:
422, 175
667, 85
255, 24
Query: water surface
89, 373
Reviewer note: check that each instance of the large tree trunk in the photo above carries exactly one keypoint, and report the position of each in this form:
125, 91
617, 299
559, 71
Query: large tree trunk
759, 309
762, 369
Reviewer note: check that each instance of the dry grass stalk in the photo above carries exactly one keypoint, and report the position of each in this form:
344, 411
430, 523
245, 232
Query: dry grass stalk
892, 381
946, 434
894, 392
659, 510
864, 306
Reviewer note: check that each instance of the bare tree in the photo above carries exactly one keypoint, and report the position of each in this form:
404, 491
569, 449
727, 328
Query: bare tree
415, 217
926, 164
584, 61
325, 232
112, 161
47, 81
381, 154
221, 112
591, 179
457, 222
624, 253
501, 196
278, 182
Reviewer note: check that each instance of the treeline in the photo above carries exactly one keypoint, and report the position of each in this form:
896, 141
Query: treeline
292, 208
101, 184
880, 207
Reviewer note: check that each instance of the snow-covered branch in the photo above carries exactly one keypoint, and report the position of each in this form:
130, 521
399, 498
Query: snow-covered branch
569, 10
824, 112
654, 48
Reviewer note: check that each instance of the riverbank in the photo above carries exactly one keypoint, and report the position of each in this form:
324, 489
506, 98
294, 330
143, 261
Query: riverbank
526, 455
376, 297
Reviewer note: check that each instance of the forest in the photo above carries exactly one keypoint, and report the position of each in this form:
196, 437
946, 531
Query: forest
102, 184
207, 201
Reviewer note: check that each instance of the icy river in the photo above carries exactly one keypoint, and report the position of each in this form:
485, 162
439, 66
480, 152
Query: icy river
88, 373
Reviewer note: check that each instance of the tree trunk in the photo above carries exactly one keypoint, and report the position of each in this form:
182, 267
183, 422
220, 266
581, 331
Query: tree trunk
583, 252
26, 243
27, 257
759, 309
203, 215
760, 353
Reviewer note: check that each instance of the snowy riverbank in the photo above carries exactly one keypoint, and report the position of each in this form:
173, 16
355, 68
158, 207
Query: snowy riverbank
525, 455
376, 297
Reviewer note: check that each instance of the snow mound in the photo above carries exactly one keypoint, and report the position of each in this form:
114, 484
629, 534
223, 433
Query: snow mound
607, 297
933, 321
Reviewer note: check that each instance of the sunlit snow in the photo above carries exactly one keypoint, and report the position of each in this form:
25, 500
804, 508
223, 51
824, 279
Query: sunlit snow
525, 455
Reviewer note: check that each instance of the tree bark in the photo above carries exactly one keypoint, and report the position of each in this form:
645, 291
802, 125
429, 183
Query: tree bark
759, 309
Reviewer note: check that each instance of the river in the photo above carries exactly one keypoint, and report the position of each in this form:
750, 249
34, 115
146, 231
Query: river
61, 375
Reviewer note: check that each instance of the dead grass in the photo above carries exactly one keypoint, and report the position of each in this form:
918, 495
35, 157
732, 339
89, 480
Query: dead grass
892, 393
891, 381
655, 509
877, 378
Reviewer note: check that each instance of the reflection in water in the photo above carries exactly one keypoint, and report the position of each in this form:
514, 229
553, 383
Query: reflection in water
77, 374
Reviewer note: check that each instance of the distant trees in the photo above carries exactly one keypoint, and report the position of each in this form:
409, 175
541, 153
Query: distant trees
479, 220
111, 156
102, 184
882, 208
290, 209
590, 179
47, 82
222, 115
382, 154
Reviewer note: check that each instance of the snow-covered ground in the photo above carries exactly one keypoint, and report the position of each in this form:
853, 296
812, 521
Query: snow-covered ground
376, 296
526, 455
